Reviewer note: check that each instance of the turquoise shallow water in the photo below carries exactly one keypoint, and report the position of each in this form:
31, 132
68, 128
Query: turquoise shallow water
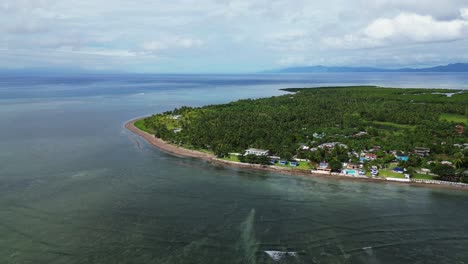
76, 187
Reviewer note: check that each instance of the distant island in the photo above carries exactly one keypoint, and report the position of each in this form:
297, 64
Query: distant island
455, 67
407, 135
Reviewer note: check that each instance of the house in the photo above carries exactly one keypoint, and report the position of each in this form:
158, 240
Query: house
423, 152
293, 163
398, 170
370, 156
177, 130
460, 129
360, 134
331, 145
176, 117
445, 162
319, 136
374, 149
273, 159
283, 162
323, 166
352, 166
303, 146
425, 171
256, 152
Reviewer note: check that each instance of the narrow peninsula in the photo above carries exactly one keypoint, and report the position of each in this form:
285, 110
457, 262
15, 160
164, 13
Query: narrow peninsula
360, 132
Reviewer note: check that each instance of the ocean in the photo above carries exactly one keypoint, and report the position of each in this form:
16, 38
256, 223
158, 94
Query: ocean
77, 187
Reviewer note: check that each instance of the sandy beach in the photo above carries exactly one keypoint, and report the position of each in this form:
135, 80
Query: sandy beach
183, 152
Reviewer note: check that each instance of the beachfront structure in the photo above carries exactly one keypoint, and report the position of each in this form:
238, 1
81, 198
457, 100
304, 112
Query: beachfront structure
351, 166
323, 166
256, 152
282, 162
423, 152
398, 170
274, 159
293, 163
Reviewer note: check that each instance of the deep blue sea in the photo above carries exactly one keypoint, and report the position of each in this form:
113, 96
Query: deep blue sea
76, 187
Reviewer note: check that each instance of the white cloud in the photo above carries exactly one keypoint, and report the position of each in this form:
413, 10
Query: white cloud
103, 52
171, 42
464, 13
404, 28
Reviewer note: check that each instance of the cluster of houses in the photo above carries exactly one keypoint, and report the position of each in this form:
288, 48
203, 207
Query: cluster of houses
273, 159
462, 146
354, 169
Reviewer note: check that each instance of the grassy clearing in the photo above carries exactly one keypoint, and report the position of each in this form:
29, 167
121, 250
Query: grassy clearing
303, 165
232, 158
394, 125
454, 118
389, 173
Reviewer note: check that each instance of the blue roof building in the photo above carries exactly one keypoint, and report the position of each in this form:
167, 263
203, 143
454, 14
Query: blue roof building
293, 163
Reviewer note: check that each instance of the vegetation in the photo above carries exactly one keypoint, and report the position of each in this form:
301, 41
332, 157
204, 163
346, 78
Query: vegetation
454, 118
141, 124
396, 120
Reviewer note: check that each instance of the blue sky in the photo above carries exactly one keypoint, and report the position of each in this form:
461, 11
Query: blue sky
194, 36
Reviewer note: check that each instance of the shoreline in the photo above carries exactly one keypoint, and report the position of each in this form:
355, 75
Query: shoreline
183, 152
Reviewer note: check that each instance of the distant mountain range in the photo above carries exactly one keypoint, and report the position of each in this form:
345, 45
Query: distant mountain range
455, 67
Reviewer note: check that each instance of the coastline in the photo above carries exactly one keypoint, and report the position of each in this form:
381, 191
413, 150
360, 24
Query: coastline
183, 152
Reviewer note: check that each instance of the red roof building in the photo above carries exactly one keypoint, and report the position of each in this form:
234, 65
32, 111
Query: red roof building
371, 156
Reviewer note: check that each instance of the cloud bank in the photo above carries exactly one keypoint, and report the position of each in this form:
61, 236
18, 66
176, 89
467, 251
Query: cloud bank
405, 28
230, 35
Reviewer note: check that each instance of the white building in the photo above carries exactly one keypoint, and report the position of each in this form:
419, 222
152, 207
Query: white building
256, 152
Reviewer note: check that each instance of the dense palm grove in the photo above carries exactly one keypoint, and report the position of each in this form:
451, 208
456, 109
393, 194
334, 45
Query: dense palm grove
359, 117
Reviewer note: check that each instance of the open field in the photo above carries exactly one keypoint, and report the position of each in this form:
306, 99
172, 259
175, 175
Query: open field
389, 173
395, 125
454, 118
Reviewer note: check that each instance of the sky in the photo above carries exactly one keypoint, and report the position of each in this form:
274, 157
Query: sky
230, 36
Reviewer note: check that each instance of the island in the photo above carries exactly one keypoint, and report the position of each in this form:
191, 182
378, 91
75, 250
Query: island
360, 132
